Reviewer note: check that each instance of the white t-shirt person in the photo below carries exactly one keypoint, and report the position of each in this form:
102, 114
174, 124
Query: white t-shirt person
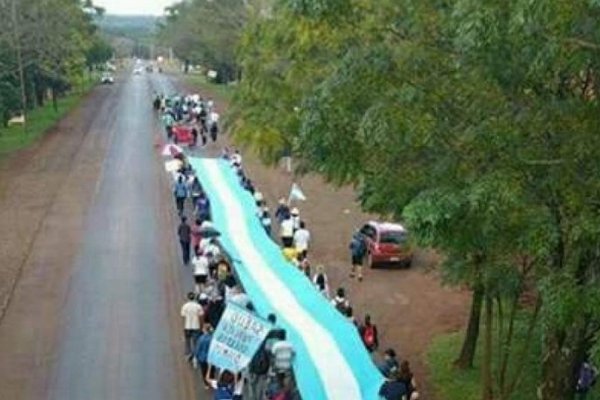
191, 313
283, 355
301, 239
213, 117
287, 228
200, 265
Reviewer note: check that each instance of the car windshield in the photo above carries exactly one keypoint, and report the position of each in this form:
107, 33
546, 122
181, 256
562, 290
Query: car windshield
393, 237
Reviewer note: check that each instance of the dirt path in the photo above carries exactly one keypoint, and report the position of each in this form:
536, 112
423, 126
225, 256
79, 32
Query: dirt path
410, 307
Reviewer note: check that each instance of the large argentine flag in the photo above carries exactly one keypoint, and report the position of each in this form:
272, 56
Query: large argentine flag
331, 362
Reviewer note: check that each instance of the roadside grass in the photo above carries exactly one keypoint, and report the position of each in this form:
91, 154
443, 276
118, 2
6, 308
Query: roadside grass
450, 383
221, 92
39, 121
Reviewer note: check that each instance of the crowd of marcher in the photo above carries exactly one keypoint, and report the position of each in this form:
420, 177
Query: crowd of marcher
194, 113
269, 375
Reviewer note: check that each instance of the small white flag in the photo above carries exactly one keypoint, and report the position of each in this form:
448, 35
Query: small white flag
296, 193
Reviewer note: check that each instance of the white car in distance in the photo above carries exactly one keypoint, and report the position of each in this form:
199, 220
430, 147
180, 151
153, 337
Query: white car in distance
107, 79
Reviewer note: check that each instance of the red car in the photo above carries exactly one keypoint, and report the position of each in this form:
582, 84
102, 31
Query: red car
387, 243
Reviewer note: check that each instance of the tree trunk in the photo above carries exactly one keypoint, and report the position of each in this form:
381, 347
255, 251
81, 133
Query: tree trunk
54, 102
564, 351
557, 369
467, 352
486, 363
506, 347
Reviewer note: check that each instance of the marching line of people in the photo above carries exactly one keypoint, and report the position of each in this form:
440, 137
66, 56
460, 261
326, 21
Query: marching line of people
295, 240
269, 375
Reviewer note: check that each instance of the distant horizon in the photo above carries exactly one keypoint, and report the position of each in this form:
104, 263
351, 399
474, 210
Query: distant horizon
110, 14
134, 8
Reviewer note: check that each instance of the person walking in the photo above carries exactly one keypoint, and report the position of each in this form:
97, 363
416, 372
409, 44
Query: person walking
224, 386
369, 334
295, 213
168, 122
283, 211
389, 364
192, 314
201, 351
214, 131
321, 281
286, 232
195, 190
185, 236
282, 353
181, 192
265, 220
393, 389
302, 239
200, 263
340, 302
405, 376
202, 207
196, 236
358, 250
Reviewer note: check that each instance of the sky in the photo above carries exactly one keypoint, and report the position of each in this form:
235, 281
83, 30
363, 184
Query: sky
134, 7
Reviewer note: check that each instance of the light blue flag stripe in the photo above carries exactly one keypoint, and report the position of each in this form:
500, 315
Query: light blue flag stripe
331, 362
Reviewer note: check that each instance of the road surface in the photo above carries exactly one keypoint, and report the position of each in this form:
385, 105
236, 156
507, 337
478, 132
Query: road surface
94, 314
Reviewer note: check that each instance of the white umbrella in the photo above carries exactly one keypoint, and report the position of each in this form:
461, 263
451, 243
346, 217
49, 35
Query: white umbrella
171, 150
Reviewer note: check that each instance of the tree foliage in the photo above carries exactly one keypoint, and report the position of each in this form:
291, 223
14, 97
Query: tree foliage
206, 32
475, 122
44, 46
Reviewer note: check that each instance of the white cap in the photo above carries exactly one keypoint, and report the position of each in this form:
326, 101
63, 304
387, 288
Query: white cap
295, 211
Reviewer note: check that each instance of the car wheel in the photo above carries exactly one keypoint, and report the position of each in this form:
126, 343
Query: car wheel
407, 263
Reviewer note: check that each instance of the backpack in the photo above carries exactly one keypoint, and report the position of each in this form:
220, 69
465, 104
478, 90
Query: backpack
180, 190
357, 246
369, 335
341, 306
586, 378
224, 393
260, 363
280, 396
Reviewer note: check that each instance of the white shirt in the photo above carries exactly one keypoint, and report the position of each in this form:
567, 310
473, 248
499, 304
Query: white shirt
325, 290
287, 228
203, 245
213, 249
213, 117
236, 158
301, 239
283, 353
191, 313
239, 387
200, 265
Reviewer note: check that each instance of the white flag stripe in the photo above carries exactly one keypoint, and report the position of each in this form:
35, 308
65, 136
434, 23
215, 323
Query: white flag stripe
337, 376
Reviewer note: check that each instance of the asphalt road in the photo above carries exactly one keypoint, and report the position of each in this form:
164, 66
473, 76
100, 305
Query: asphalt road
104, 323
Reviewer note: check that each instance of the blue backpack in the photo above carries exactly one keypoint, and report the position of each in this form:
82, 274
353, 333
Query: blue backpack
180, 189
586, 378
224, 393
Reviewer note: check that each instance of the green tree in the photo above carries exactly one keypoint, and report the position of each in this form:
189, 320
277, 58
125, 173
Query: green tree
206, 32
474, 122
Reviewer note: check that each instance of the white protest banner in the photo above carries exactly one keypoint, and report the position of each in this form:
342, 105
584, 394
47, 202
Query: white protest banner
237, 337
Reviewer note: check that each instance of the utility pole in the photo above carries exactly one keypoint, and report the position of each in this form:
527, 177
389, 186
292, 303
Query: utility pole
17, 44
